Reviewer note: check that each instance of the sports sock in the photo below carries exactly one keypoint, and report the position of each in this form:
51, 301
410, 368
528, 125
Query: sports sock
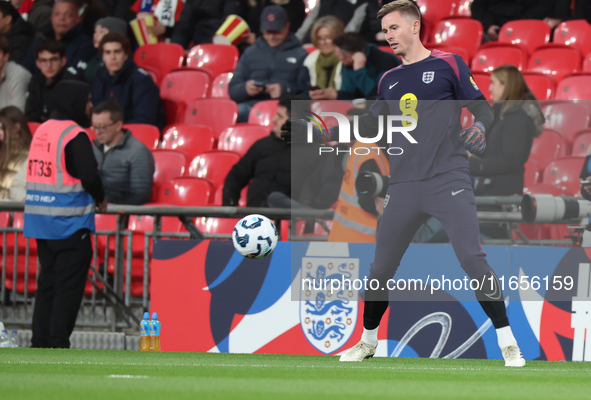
505, 337
370, 336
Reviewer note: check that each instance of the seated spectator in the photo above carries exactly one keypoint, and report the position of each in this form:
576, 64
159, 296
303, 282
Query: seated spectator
39, 14
518, 119
350, 13
166, 13
371, 28
270, 68
65, 27
15, 139
51, 69
565, 11
494, 13
14, 79
125, 164
121, 81
200, 19
20, 33
363, 67
294, 9
101, 28
323, 65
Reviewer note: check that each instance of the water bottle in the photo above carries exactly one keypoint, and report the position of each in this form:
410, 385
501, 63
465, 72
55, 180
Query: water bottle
145, 332
4, 340
15, 341
154, 333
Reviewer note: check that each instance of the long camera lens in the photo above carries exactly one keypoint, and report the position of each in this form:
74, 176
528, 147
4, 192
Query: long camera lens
544, 208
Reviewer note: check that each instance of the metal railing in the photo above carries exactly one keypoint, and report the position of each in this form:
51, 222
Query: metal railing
113, 302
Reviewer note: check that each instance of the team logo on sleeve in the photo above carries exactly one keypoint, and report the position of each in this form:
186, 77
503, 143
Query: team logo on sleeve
428, 76
474, 83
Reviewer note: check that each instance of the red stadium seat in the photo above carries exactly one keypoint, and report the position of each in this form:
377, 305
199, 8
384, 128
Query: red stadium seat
216, 225
466, 118
160, 58
574, 88
547, 147
180, 88
213, 58
483, 83
543, 86
194, 192
149, 135
574, 33
433, 11
239, 138
26, 267
168, 164
309, 47
218, 114
460, 51
218, 197
263, 112
386, 49
581, 144
464, 9
487, 59
458, 32
587, 63
567, 118
33, 127
558, 62
219, 87
531, 176
564, 173
191, 140
213, 166
527, 33
4, 219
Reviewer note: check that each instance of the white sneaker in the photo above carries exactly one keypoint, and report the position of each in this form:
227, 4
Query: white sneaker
359, 352
513, 356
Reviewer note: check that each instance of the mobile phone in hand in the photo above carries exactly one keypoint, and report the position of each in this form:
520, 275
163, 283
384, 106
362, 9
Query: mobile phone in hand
259, 83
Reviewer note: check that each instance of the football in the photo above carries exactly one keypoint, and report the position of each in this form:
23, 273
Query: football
255, 236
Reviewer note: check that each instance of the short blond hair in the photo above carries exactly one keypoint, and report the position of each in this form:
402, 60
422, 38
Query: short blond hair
334, 25
407, 8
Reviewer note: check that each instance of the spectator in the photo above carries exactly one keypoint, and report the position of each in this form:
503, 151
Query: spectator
200, 19
101, 28
65, 27
272, 67
15, 139
51, 69
323, 65
518, 119
166, 13
14, 79
40, 13
494, 13
350, 13
266, 165
20, 33
295, 9
90, 12
125, 164
565, 11
363, 67
63, 227
121, 81
371, 28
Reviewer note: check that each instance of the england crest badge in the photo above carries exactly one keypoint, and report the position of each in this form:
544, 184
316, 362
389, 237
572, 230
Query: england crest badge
329, 304
428, 76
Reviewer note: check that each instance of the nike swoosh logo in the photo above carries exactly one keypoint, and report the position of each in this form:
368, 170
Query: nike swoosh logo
391, 86
459, 191
496, 295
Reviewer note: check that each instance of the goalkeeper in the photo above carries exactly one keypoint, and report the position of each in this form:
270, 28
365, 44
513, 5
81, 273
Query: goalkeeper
430, 177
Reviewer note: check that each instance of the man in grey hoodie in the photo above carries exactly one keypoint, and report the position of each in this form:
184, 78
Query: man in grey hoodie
272, 67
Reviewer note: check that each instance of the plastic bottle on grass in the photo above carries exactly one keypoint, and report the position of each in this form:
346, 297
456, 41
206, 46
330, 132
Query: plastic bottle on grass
4, 340
15, 341
145, 333
154, 333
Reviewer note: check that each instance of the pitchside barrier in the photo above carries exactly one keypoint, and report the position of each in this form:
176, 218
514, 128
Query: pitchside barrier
126, 279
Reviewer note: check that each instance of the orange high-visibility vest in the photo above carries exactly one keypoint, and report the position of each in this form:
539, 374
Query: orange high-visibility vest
350, 222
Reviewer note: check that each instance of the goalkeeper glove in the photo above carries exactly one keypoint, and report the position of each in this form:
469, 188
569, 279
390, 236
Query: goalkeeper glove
473, 138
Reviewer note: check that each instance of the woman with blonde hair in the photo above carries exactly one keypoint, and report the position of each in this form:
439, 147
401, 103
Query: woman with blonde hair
323, 65
518, 119
15, 139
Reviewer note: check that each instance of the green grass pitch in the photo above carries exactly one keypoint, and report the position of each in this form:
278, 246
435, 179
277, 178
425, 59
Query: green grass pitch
109, 375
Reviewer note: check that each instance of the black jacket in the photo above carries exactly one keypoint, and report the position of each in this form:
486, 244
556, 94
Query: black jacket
498, 12
39, 104
200, 19
20, 36
79, 49
133, 90
508, 143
